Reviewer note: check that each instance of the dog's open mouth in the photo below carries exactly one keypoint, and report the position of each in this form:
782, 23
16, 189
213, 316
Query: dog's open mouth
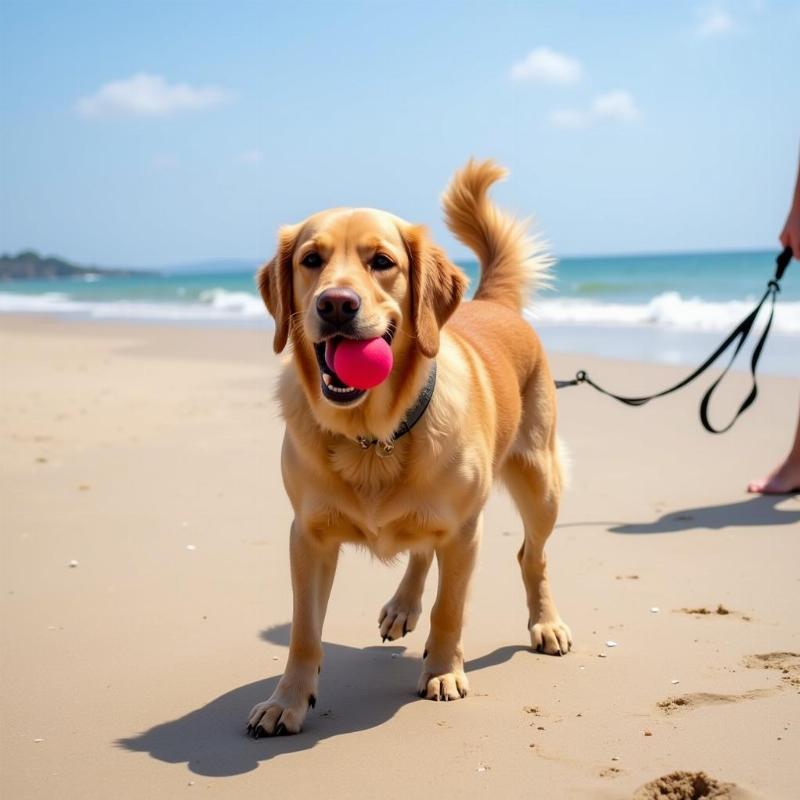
333, 387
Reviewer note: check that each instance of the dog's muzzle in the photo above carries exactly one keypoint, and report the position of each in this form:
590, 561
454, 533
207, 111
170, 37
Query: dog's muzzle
333, 388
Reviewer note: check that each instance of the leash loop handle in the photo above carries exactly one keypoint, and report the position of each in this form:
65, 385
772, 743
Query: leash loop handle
782, 262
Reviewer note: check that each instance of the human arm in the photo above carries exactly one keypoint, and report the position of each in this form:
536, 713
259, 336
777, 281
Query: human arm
790, 235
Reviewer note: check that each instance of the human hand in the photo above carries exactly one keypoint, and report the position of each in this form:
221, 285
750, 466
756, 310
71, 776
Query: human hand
790, 235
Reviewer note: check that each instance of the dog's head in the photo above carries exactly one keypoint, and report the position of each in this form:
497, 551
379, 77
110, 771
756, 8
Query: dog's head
357, 274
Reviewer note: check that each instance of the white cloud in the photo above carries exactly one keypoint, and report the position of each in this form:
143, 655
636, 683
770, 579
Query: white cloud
144, 95
253, 156
617, 104
714, 21
544, 65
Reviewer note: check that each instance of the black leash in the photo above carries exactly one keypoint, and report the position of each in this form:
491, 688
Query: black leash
741, 332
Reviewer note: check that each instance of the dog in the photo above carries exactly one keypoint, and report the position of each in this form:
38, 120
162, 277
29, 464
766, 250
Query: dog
408, 465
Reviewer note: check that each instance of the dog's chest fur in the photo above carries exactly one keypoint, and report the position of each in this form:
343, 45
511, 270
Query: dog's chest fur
386, 516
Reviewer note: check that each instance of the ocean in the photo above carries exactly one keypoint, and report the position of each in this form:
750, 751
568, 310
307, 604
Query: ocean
660, 308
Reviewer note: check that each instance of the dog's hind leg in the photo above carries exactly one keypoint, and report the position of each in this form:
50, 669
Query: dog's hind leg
535, 484
400, 614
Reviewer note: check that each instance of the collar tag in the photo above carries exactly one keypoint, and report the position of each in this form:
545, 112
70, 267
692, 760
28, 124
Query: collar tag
384, 449
412, 417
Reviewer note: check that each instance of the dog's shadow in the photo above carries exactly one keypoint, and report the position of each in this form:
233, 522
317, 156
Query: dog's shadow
359, 689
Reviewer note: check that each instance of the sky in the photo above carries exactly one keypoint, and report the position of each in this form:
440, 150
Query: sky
159, 133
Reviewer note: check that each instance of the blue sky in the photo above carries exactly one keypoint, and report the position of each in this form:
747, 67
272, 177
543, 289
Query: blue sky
145, 134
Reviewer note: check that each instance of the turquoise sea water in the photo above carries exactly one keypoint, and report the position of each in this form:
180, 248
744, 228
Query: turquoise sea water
677, 305
607, 279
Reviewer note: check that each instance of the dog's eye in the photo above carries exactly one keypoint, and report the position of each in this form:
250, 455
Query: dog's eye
382, 262
312, 260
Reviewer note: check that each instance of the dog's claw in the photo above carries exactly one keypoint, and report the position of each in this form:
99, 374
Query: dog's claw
312, 700
260, 732
280, 730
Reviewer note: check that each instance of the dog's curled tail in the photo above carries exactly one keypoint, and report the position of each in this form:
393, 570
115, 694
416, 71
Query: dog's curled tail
513, 263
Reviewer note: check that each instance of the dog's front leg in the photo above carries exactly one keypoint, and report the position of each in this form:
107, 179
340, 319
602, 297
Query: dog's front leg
313, 565
443, 675
399, 616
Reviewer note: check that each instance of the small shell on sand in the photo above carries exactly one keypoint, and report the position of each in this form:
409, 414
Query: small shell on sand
73, 563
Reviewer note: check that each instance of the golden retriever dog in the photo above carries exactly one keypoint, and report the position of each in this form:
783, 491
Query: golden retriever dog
408, 465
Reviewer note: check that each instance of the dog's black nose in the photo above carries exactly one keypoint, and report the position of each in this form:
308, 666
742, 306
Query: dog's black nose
338, 305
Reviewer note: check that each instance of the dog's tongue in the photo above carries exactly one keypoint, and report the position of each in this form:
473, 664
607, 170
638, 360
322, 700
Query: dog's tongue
330, 352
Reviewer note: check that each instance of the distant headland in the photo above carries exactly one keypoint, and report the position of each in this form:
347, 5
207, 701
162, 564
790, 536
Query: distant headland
28, 265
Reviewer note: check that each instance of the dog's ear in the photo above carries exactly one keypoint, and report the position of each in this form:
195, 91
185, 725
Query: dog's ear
275, 285
437, 286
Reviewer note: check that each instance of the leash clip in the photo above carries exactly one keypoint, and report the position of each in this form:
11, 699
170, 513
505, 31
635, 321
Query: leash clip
383, 449
580, 376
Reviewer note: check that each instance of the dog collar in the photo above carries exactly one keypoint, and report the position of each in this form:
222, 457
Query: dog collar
412, 417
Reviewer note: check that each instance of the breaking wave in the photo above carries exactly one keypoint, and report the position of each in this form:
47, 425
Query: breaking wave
668, 310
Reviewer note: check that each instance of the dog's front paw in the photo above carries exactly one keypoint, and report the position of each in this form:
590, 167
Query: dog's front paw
443, 686
553, 638
282, 714
398, 617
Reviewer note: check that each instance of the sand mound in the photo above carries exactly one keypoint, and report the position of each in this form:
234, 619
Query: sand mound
684, 786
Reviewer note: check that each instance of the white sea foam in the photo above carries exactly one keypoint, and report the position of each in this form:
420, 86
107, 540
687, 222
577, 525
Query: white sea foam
213, 305
667, 311
241, 303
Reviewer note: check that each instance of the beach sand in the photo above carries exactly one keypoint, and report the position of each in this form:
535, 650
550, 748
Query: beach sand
148, 457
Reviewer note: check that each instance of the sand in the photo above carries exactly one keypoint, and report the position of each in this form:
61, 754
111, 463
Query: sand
145, 595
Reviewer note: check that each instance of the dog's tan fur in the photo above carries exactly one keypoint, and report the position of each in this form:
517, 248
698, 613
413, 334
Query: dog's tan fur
492, 416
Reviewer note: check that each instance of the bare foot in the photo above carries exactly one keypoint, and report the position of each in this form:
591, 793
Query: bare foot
784, 480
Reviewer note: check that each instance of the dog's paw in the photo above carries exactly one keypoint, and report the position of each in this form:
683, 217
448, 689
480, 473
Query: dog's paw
281, 715
443, 686
397, 618
553, 638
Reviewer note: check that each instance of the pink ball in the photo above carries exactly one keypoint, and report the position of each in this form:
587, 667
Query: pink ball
363, 363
